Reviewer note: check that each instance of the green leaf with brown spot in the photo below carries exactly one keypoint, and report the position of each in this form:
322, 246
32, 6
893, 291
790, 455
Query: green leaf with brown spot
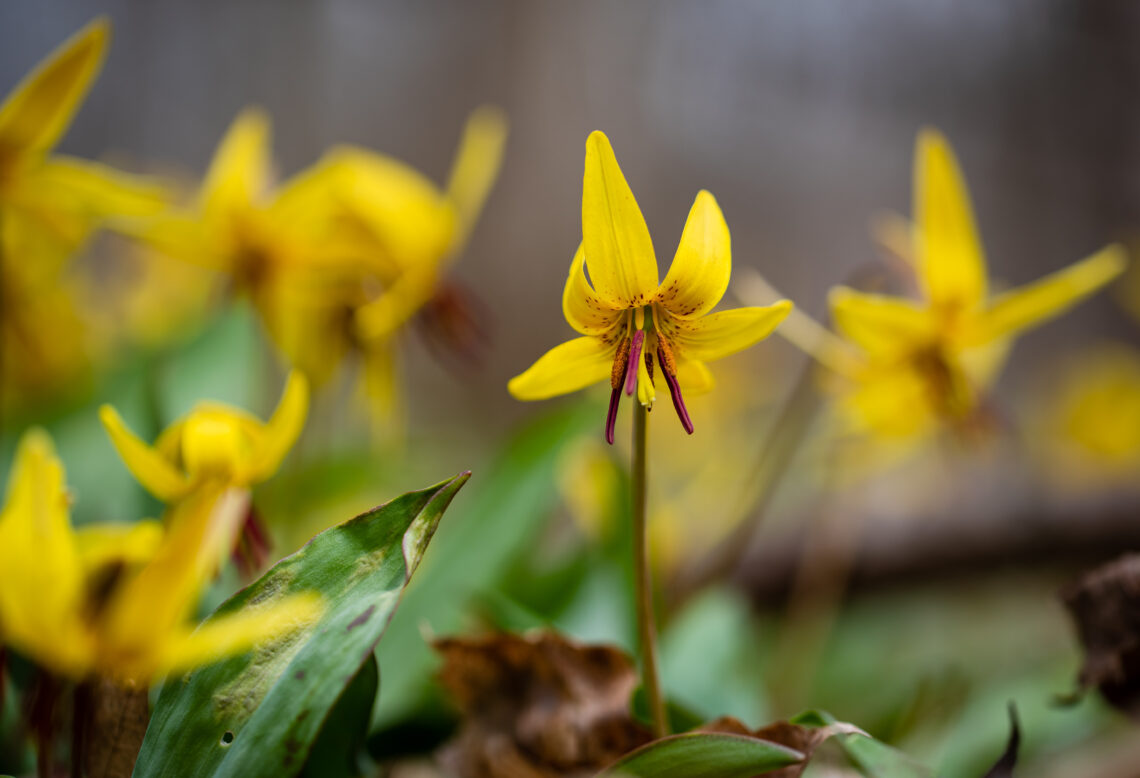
259, 714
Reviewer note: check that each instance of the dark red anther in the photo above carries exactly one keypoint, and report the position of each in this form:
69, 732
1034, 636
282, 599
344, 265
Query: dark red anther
675, 393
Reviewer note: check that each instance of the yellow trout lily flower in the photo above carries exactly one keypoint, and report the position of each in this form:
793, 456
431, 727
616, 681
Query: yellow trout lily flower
212, 443
395, 233
116, 600
957, 331
626, 318
50, 204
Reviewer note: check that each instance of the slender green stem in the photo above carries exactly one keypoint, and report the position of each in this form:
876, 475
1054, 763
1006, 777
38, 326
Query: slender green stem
647, 632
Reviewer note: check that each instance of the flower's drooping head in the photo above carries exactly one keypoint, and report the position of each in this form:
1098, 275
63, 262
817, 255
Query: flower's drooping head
631, 325
213, 443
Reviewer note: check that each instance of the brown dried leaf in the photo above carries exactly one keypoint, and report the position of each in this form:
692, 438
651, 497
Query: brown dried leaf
536, 706
1105, 604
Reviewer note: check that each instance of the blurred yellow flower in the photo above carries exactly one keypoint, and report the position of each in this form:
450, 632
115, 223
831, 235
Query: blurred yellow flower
341, 255
116, 600
942, 351
626, 317
50, 204
909, 366
1095, 415
239, 225
214, 443
396, 233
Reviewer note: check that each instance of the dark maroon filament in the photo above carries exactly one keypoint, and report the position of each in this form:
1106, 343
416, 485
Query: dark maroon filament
611, 416
675, 393
634, 360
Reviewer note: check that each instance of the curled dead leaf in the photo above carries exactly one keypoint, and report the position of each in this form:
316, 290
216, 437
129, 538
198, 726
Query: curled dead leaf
1003, 768
1105, 605
537, 705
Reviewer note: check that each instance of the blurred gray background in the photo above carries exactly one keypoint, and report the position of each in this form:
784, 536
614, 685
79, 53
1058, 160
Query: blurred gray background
798, 115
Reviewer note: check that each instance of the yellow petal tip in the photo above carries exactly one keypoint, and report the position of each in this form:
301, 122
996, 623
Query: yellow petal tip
930, 135
597, 137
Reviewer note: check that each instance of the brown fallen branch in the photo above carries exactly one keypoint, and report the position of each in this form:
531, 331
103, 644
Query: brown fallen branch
891, 553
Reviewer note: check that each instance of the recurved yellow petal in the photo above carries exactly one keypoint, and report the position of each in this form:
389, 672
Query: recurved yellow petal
880, 324
412, 224
102, 191
567, 367
282, 429
951, 264
41, 583
619, 252
152, 470
476, 166
720, 334
698, 277
585, 310
186, 239
1035, 303
238, 632
239, 173
37, 113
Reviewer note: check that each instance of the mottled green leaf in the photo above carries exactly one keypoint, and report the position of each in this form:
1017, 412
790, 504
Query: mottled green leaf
703, 755
259, 714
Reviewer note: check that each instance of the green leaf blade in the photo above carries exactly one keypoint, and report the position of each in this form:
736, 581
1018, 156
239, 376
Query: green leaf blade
260, 713
703, 755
